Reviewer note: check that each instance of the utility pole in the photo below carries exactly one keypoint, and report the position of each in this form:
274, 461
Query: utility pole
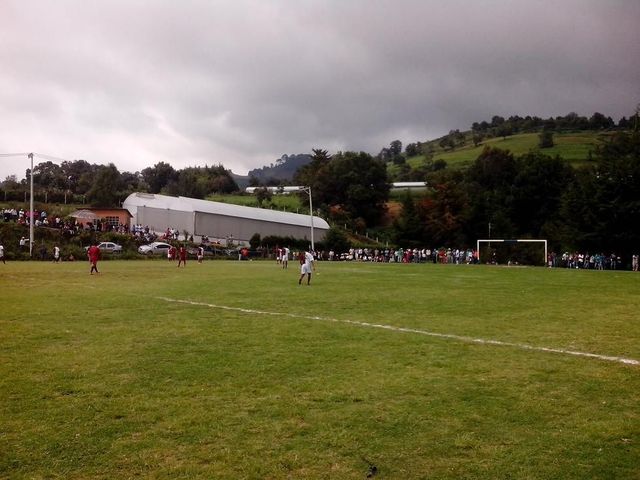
291, 189
308, 190
313, 247
31, 207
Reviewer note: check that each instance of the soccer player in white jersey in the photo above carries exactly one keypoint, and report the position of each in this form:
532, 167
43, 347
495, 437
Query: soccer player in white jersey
306, 267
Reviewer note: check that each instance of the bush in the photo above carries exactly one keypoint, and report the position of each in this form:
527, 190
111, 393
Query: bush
336, 240
545, 139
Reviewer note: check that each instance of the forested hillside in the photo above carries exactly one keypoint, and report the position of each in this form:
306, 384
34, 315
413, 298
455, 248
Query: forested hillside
281, 172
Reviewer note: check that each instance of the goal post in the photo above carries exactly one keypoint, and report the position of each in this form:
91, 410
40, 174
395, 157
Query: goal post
513, 242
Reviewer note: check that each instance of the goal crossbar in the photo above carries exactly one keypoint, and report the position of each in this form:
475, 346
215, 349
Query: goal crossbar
513, 241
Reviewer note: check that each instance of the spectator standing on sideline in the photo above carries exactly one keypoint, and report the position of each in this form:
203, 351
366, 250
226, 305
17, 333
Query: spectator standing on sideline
56, 254
200, 253
94, 255
307, 265
2, 254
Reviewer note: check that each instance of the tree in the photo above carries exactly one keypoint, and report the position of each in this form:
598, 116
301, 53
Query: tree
130, 182
359, 184
79, 175
399, 160
306, 174
336, 240
538, 186
254, 241
104, 190
11, 187
599, 122
262, 194
159, 176
49, 175
545, 139
444, 210
408, 226
602, 208
395, 148
411, 150
192, 182
426, 149
254, 181
222, 184
504, 130
447, 143
354, 182
496, 121
490, 185
384, 155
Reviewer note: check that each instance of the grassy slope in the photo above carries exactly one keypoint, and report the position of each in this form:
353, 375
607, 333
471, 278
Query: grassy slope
288, 203
100, 378
573, 147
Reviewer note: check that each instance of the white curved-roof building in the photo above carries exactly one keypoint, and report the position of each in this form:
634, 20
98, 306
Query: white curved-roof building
218, 220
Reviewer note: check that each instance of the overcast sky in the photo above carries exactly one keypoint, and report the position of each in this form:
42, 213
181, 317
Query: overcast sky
240, 82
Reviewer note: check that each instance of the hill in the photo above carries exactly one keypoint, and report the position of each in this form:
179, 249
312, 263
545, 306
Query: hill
574, 147
282, 171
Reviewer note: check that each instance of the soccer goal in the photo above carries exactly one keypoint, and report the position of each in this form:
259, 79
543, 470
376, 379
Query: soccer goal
513, 251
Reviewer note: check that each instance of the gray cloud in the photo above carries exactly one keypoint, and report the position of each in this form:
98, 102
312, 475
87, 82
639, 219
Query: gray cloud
240, 83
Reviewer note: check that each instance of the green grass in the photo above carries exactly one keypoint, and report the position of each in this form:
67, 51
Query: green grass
288, 203
102, 378
573, 147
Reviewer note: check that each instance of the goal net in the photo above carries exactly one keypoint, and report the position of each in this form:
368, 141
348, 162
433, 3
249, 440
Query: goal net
512, 252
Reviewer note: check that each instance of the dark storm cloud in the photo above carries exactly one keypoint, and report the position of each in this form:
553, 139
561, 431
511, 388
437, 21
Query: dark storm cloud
240, 83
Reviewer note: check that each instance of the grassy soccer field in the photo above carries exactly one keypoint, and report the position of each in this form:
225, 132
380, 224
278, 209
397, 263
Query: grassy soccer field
231, 370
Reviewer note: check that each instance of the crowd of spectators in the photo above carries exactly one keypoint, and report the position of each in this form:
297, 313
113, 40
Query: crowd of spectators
143, 234
73, 226
594, 261
402, 255
69, 226
457, 256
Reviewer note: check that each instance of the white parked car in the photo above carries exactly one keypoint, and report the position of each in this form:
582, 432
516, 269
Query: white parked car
154, 248
108, 247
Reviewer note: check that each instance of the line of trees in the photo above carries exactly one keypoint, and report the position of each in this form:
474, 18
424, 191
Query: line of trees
79, 181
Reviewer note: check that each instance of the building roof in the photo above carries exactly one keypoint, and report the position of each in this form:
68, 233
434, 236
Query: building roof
408, 185
186, 204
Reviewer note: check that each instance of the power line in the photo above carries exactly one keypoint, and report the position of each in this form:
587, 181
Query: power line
13, 154
51, 157
40, 155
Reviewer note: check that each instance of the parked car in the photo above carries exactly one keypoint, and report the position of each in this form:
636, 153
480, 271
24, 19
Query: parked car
108, 247
154, 248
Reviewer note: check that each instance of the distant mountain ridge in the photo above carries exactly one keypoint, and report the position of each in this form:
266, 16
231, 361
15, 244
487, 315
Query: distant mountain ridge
282, 171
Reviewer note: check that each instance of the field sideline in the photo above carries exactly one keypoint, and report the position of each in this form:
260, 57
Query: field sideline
232, 370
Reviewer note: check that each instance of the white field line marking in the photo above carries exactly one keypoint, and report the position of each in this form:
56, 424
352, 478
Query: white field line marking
461, 338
